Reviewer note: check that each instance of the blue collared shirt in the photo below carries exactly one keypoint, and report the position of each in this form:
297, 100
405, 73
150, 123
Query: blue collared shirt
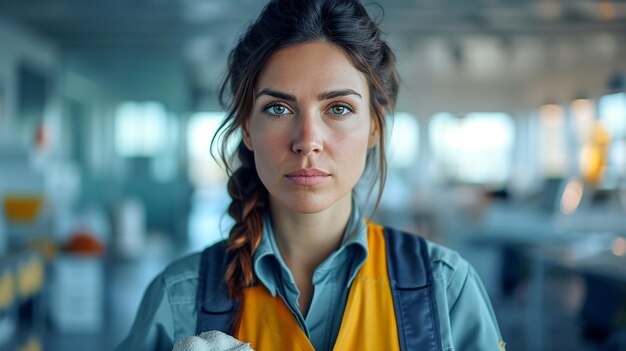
331, 280
466, 318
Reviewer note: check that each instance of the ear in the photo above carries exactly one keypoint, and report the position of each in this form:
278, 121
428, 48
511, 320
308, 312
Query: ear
247, 141
374, 135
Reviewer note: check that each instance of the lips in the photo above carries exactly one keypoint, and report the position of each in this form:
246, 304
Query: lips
307, 176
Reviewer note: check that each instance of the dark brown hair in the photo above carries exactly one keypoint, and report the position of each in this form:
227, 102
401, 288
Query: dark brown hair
283, 23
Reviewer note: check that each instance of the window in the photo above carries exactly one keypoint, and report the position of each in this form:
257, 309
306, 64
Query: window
207, 221
612, 110
403, 141
612, 115
141, 129
472, 148
553, 154
583, 114
203, 169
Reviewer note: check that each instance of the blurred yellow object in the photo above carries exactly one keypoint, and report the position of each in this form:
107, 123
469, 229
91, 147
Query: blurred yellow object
32, 344
30, 276
593, 155
22, 207
7, 289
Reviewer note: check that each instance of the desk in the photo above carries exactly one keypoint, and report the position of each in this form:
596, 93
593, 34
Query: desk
603, 264
545, 259
581, 254
551, 244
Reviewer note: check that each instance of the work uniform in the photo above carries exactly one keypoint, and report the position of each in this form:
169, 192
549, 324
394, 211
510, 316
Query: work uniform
338, 314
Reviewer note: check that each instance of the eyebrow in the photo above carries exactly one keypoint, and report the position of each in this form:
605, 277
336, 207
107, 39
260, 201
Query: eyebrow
276, 94
323, 96
337, 93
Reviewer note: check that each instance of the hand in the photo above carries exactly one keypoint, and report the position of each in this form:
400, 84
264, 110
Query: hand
213, 340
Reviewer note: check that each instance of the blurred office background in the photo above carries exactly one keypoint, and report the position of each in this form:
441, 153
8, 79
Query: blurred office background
509, 145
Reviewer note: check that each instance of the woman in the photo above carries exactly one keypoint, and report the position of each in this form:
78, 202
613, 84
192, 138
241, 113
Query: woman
311, 84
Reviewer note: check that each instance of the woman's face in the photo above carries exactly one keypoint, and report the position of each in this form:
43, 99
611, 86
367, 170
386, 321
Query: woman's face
310, 127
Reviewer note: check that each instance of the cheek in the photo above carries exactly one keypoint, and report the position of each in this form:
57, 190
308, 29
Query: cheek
266, 141
267, 148
352, 149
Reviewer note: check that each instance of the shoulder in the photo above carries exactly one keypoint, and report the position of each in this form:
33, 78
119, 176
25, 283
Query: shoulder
446, 263
187, 268
448, 268
442, 260
181, 276
182, 270
177, 283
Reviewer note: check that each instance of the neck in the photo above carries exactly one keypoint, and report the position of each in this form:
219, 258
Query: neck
306, 239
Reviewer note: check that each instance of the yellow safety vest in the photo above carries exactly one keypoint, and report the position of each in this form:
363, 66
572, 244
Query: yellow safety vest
369, 320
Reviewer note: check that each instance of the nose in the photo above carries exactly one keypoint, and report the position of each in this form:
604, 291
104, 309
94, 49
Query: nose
308, 137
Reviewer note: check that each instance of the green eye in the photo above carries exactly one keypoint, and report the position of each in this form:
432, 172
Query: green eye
340, 110
277, 110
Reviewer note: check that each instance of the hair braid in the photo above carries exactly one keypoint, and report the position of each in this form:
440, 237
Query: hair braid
249, 200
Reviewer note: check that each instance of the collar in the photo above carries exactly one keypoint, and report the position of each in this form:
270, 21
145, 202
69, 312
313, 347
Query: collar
271, 270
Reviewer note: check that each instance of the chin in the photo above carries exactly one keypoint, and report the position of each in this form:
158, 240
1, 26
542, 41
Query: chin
309, 207
310, 201
308, 204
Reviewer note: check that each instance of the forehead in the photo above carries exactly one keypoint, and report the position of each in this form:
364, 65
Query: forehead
311, 67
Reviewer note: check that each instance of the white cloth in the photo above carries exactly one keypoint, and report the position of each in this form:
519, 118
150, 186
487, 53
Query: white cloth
213, 340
